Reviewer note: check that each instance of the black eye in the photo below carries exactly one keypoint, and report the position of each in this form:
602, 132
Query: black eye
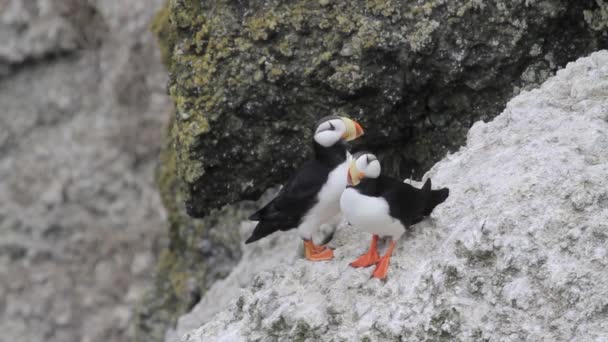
332, 126
367, 158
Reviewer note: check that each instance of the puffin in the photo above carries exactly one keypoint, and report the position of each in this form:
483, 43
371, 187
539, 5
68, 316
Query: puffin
311, 196
383, 206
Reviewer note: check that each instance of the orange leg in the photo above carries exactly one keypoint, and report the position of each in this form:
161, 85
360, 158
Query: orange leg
369, 258
317, 253
382, 266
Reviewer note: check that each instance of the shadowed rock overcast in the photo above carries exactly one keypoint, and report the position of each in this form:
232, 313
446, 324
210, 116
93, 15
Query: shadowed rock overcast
82, 105
250, 79
516, 253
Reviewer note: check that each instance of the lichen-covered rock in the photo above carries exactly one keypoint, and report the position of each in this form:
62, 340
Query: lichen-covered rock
517, 252
199, 253
249, 79
598, 18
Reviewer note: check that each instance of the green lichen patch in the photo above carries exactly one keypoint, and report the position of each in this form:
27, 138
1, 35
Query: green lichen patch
185, 270
598, 18
165, 34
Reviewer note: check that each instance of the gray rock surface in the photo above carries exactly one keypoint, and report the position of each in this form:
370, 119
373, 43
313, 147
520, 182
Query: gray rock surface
83, 102
250, 78
34, 30
517, 252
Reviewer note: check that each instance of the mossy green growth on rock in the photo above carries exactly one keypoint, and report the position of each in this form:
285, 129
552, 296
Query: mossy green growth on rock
163, 29
598, 18
250, 80
196, 255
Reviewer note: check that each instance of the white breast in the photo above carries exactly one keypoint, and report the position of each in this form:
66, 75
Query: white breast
370, 214
329, 196
328, 205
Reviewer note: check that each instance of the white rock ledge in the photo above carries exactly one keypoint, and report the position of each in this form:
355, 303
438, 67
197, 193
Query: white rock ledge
517, 252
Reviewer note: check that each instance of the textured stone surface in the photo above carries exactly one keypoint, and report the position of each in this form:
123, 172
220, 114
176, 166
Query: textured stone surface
199, 252
83, 102
517, 252
249, 79
31, 31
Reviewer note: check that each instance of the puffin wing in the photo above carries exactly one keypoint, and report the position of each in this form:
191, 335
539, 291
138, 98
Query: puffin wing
294, 200
406, 203
300, 192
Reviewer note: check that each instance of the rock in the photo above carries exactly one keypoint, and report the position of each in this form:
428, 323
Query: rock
249, 80
83, 104
200, 252
246, 95
507, 257
267, 253
35, 30
141, 263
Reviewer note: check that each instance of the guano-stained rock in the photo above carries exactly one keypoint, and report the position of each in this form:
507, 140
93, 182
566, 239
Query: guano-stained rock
517, 252
249, 78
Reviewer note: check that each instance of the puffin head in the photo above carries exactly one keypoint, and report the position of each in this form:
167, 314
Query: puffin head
363, 165
332, 129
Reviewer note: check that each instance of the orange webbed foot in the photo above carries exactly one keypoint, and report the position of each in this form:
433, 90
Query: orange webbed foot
366, 260
381, 270
369, 258
317, 253
318, 249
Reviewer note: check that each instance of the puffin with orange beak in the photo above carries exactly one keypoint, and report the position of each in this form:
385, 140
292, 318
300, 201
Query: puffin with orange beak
385, 206
311, 197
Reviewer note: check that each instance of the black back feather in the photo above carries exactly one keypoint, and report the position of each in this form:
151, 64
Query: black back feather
299, 194
294, 200
406, 203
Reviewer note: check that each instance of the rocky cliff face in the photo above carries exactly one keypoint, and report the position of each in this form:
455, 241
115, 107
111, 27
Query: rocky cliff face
249, 79
82, 108
517, 252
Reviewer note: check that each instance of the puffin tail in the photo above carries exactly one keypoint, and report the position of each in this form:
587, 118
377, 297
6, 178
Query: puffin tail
436, 197
262, 230
256, 216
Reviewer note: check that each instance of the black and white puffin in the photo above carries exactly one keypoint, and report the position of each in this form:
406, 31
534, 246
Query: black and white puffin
383, 206
311, 197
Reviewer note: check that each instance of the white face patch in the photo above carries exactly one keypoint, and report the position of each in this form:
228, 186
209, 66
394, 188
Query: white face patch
361, 163
373, 169
369, 165
330, 132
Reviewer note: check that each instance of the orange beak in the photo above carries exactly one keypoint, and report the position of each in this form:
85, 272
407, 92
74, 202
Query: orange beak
358, 129
353, 129
353, 176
